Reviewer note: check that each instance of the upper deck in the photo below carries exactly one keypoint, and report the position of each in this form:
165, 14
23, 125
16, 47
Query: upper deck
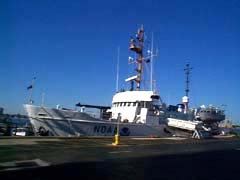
135, 96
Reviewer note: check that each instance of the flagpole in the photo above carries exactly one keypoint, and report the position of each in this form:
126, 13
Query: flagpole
30, 96
31, 91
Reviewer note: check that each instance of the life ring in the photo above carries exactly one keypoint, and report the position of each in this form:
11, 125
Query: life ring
42, 131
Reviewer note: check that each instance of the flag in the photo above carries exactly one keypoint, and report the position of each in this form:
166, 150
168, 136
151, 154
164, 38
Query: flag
30, 87
148, 61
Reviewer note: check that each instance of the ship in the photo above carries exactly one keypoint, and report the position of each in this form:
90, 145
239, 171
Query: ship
134, 112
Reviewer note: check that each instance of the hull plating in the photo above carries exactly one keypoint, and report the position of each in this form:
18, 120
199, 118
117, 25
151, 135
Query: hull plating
52, 122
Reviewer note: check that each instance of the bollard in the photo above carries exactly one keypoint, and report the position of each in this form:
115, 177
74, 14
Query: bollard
117, 136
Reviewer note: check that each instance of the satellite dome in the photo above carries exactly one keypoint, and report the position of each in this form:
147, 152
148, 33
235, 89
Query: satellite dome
185, 99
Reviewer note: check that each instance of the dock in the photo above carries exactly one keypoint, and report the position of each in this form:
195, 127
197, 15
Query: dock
96, 158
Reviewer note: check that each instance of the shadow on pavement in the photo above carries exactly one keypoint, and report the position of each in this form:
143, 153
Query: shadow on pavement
206, 165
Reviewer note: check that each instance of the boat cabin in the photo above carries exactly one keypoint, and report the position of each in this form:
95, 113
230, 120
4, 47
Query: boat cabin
135, 106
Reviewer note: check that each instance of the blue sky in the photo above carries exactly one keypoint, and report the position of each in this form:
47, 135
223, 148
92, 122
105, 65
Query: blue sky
71, 47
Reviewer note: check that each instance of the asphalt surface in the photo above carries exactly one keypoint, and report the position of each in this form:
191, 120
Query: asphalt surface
96, 158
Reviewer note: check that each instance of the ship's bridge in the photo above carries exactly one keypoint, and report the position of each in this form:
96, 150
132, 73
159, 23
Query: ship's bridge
133, 105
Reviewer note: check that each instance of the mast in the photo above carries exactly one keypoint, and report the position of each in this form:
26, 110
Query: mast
151, 75
185, 99
136, 45
187, 72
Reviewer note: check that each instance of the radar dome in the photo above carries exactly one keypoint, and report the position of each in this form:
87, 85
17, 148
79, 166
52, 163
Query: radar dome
185, 99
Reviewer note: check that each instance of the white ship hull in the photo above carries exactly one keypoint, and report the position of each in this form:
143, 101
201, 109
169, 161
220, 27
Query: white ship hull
52, 122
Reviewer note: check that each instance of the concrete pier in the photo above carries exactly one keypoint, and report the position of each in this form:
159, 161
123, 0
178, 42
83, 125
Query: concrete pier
134, 158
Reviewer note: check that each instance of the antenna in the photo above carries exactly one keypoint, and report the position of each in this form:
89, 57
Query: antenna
187, 72
151, 74
117, 78
43, 98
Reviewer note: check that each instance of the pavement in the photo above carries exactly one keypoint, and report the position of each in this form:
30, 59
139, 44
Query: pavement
134, 158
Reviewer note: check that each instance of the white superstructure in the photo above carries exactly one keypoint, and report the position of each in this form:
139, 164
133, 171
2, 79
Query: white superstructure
134, 106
